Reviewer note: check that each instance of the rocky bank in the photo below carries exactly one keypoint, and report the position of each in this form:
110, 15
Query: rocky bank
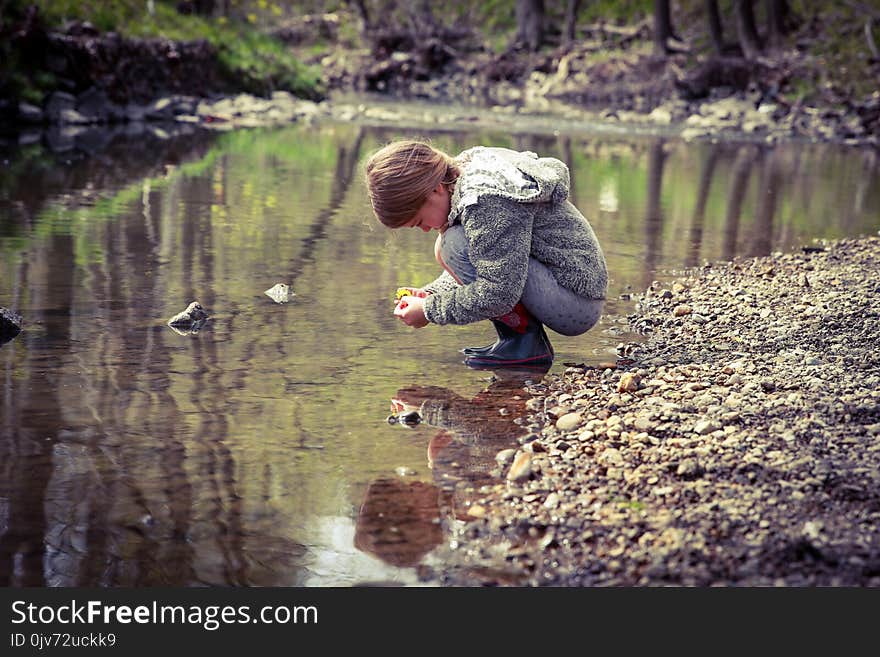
739, 445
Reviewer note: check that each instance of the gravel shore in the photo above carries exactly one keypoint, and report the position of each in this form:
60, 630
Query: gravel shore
739, 445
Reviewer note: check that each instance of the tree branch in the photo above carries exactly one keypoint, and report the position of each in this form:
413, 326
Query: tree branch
869, 37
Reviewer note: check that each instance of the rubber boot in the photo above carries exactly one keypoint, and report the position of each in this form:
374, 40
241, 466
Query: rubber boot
508, 326
521, 342
504, 333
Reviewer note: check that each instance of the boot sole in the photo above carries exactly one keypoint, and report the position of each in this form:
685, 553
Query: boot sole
544, 359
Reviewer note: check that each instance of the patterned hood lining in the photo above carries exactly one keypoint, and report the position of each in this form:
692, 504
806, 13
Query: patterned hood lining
519, 176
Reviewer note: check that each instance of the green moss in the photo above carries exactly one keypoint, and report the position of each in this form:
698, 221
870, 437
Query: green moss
256, 61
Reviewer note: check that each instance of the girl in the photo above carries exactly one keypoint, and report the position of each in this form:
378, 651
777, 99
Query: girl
513, 248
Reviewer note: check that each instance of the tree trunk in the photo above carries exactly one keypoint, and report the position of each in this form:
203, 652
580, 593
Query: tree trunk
360, 9
530, 24
775, 22
715, 27
570, 27
421, 18
745, 29
662, 27
204, 7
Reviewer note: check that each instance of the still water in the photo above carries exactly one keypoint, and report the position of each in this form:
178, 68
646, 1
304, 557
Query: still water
257, 451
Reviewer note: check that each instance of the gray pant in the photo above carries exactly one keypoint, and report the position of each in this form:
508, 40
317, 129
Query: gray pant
553, 305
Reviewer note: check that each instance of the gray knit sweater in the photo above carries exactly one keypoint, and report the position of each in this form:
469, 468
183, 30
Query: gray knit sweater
513, 206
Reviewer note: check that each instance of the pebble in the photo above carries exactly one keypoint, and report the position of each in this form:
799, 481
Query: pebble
505, 456
703, 427
629, 382
569, 421
521, 468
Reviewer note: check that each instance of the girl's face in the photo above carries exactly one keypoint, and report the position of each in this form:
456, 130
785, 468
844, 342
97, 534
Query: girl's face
433, 213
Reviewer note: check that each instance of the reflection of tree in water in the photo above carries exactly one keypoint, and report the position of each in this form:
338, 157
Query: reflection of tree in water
739, 181
134, 492
761, 239
654, 211
707, 172
347, 157
400, 521
741, 162
28, 451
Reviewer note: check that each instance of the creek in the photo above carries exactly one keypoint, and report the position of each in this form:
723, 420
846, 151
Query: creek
257, 451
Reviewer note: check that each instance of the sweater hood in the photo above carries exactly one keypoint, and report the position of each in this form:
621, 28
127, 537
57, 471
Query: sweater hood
520, 176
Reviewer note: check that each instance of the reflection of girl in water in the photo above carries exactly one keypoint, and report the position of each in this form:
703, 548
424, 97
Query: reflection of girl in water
401, 521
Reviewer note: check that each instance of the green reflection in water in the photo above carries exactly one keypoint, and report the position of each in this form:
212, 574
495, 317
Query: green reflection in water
242, 454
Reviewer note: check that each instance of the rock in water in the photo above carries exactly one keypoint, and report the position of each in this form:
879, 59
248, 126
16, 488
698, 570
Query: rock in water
10, 324
190, 321
280, 293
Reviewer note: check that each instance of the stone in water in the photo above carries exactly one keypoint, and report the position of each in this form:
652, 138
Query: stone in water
190, 321
280, 293
10, 324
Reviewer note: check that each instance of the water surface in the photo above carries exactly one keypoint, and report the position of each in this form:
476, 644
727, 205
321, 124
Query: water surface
257, 451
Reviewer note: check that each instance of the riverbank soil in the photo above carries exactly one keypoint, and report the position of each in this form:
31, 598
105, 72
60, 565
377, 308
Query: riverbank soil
739, 445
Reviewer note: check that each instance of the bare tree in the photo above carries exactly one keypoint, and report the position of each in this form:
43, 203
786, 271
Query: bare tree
570, 27
749, 41
662, 27
360, 9
778, 16
529, 24
715, 28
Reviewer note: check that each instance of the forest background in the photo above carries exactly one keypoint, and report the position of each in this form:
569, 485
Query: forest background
624, 54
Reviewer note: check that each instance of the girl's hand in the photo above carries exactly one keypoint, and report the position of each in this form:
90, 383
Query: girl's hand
411, 311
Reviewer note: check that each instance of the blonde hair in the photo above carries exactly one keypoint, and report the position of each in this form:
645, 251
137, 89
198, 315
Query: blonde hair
401, 175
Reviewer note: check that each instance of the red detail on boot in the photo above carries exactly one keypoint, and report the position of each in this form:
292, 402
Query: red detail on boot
517, 319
